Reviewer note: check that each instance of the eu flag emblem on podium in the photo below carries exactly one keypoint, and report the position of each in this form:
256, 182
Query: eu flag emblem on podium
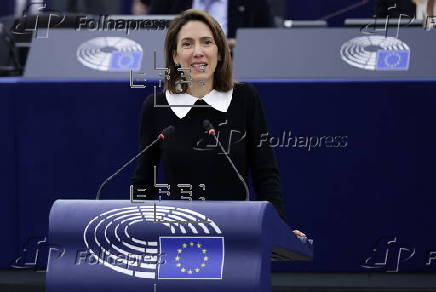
125, 61
191, 257
393, 60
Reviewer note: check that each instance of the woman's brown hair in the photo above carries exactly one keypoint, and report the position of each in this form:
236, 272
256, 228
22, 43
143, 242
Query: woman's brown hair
223, 79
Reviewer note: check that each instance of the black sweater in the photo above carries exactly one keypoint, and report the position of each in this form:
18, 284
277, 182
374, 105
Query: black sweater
190, 156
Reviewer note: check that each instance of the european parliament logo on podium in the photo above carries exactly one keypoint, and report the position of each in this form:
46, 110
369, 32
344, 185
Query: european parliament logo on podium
192, 257
181, 243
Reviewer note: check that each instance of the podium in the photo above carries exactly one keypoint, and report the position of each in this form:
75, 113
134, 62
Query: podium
167, 246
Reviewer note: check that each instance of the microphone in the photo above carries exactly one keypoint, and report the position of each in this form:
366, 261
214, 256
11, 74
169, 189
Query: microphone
209, 128
162, 136
207, 125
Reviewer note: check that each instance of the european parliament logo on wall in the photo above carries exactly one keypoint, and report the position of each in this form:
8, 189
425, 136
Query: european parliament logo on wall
376, 53
111, 54
388, 60
179, 250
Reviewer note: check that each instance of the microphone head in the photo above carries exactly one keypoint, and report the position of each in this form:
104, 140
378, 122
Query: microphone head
208, 127
206, 124
166, 132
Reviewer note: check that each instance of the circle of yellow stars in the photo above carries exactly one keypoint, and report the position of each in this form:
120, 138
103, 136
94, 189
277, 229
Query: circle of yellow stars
204, 257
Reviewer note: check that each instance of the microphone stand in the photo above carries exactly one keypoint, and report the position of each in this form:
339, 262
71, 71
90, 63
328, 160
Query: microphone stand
162, 136
211, 131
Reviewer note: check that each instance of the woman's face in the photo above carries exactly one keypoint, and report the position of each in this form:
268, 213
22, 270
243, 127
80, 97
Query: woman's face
196, 49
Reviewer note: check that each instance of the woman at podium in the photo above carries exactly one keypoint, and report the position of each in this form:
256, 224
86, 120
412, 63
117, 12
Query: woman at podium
220, 136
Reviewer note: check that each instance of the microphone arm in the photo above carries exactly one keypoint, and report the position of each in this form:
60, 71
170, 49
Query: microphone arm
162, 136
211, 131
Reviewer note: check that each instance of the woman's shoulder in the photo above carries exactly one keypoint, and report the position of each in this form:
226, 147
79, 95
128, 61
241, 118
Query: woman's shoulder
245, 89
154, 99
246, 92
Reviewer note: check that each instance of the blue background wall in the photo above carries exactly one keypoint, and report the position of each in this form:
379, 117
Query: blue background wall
64, 138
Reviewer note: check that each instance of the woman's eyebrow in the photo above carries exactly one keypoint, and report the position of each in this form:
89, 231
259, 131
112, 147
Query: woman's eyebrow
190, 39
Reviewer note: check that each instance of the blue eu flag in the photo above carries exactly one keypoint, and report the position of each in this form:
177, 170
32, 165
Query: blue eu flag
191, 257
393, 60
125, 61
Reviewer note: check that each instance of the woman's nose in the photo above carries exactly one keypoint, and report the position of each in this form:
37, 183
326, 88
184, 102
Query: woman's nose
198, 50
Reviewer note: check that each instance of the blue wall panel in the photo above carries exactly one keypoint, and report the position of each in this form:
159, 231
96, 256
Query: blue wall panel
373, 187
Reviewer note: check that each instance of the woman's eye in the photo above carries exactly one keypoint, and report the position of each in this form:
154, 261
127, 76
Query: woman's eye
208, 42
186, 44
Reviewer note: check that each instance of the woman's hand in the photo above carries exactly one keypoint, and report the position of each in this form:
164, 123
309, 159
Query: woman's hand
299, 233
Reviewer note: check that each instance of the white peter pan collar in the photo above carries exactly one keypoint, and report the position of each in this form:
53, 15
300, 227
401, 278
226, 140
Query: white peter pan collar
216, 99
